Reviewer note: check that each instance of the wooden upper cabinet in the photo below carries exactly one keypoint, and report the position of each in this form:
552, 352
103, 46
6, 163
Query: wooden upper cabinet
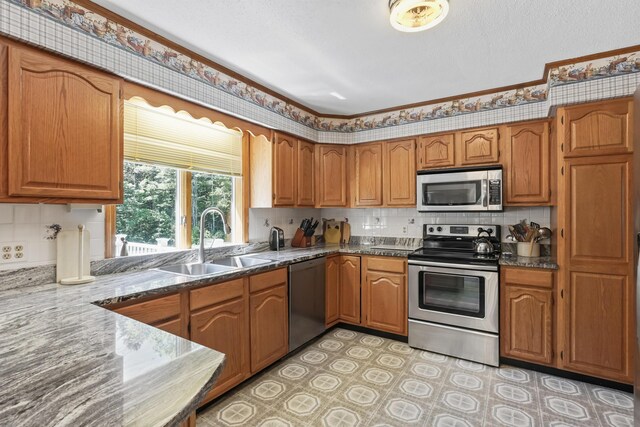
366, 177
285, 178
436, 151
599, 202
331, 168
527, 164
349, 289
595, 129
306, 174
332, 281
479, 146
65, 137
400, 173
526, 315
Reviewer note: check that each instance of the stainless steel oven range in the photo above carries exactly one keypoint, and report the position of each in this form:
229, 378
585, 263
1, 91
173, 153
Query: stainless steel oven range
453, 292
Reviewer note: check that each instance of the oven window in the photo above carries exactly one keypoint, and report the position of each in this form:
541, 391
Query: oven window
462, 193
452, 293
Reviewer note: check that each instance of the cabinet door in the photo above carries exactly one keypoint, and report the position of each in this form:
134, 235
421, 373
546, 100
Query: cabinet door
400, 173
269, 326
595, 216
436, 151
332, 280
598, 205
284, 170
367, 174
349, 289
65, 128
527, 164
306, 174
596, 129
225, 327
598, 325
479, 146
384, 301
527, 332
332, 176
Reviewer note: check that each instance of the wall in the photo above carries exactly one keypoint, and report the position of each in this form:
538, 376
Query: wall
407, 222
289, 219
28, 225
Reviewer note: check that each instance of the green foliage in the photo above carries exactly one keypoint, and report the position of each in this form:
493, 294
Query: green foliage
149, 208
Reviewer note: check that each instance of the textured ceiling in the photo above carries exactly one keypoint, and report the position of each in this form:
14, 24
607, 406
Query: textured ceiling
306, 49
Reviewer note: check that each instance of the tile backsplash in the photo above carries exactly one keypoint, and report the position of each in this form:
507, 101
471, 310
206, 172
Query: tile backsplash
28, 224
388, 222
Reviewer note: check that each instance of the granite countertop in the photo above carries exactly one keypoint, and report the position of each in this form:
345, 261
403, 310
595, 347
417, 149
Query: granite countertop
546, 262
66, 360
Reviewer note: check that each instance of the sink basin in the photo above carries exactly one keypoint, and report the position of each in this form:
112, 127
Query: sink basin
239, 261
196, 269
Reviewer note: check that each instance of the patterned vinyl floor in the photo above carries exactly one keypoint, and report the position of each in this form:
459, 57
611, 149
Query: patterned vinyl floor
353, 379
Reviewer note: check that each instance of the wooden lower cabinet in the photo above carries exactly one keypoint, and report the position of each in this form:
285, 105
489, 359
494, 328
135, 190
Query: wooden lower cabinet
349, 289
384, 294
225, 327
332, 281
526, 315
164, 313
598, 325
269, 314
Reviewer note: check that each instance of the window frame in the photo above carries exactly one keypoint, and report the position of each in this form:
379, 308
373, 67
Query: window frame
242, 189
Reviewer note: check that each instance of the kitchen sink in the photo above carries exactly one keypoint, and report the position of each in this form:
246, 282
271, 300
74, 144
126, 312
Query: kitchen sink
239, 261
197, 269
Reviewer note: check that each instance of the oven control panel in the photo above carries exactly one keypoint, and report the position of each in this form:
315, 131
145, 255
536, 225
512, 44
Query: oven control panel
461, 230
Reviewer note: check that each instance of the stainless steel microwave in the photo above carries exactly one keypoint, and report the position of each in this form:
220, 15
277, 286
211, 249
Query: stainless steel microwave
475, 189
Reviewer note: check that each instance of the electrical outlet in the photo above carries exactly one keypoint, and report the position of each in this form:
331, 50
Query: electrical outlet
404, 229
13, 252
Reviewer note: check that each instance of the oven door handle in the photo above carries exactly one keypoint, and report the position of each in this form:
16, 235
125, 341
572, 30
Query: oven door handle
451, 267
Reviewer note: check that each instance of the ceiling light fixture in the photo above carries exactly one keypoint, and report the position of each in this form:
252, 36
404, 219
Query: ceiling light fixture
337, 95
417, 15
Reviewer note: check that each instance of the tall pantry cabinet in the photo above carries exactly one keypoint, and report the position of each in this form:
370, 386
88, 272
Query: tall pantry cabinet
595, 241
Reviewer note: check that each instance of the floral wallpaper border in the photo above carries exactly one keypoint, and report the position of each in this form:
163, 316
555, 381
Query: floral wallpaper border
96, 25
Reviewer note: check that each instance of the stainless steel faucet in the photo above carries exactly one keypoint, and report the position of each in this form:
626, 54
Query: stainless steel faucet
225, 228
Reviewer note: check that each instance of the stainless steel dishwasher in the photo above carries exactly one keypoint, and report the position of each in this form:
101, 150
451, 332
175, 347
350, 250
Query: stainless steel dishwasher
306, 301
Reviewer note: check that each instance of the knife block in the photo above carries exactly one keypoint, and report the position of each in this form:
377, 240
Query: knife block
301, 241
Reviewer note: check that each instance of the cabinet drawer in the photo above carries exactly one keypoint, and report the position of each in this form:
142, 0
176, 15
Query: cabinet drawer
392, 265
154, 310
267, 280
214, 294
527, 276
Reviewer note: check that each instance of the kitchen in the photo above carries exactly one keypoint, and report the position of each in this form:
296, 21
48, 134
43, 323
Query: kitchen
433, 309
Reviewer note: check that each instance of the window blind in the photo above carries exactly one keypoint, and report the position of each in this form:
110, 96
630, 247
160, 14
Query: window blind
160, 136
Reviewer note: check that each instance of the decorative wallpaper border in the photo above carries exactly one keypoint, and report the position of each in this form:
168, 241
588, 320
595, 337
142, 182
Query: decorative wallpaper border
95, 25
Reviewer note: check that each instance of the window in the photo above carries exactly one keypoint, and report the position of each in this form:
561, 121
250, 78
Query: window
175, 167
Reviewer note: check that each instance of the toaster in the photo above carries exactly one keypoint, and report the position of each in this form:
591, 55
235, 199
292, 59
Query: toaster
276, 238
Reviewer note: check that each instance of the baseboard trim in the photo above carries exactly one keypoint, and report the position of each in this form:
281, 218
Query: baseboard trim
382, 334
567, 374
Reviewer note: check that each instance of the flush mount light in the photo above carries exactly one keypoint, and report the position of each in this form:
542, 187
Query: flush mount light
417, 15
